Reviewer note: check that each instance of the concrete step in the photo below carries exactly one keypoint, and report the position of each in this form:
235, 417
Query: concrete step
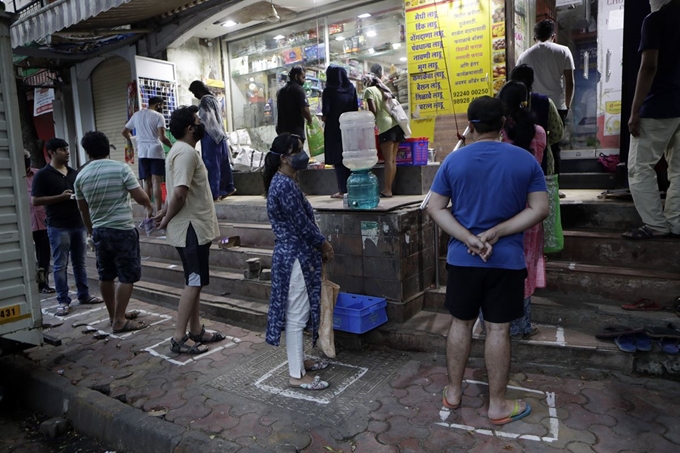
553, 346
609, 248
242, 310
251, 234
246, 209
598, 215
587, 181
626, 284
580, 166
225, 282
572, 310
230, 258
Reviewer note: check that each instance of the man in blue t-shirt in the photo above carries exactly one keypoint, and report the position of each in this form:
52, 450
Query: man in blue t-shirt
655, 123
497, 191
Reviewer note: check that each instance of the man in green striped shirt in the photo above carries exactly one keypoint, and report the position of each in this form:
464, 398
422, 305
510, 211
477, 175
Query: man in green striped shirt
103, 189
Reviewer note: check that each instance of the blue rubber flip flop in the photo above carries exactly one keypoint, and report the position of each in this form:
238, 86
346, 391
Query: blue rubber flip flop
643, 342
669, 345
514, 415
626, 343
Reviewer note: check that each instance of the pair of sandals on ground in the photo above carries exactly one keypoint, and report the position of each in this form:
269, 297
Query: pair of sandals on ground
629, 339
517, 412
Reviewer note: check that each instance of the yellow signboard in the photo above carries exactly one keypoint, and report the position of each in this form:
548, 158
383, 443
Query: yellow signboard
450, 54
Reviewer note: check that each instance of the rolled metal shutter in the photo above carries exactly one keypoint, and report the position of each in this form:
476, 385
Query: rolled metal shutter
109, 93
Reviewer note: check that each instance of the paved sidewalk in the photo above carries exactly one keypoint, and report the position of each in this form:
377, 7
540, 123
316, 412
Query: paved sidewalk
235, 398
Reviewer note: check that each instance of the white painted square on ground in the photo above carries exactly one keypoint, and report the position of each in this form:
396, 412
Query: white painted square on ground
325, 397
444, 414
161, 318
192, 358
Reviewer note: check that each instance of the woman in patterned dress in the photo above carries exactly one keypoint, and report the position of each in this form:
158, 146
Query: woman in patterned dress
299, 251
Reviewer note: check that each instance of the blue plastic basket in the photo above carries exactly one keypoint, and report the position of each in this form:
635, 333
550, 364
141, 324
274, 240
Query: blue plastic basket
358, 314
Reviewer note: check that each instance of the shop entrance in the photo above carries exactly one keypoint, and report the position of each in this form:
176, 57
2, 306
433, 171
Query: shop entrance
593, 30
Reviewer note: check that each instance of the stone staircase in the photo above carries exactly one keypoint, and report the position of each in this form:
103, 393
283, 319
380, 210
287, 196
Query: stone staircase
230, 297
587, 282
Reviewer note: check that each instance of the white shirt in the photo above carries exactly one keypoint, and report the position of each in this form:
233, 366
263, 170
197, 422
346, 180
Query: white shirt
147, 122
549, 61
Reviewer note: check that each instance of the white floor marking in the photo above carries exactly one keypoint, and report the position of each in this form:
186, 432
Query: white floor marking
559, 336
74, 315
127, 334
444, 414
334, 391
152, 350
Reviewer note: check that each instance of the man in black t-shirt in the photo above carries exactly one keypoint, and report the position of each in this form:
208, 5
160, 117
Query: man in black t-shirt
655, 123
53, 188
292, 105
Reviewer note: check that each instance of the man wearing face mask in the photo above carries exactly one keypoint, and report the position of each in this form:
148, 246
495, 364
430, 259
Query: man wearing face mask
150, 126
654, 123
214, 146
292, 105
191, 224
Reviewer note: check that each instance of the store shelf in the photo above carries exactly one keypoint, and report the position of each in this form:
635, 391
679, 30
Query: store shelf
312, 64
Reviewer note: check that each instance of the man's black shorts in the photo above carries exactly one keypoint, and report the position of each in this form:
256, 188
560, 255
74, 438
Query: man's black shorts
117, 254
498, 292
195, 260
149, 167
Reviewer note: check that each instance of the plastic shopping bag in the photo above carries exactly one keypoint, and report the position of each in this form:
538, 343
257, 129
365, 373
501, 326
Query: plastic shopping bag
398, 113
329, 296
315, 137
553, 236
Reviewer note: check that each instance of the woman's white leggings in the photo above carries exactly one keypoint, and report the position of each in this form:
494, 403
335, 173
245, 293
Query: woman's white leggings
297, 315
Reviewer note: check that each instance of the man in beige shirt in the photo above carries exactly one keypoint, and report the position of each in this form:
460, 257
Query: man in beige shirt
191, 224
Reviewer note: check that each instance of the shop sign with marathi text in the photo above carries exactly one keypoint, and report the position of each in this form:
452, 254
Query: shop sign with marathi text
456, 53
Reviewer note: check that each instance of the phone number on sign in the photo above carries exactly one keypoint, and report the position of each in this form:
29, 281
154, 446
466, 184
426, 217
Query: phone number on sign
478, 92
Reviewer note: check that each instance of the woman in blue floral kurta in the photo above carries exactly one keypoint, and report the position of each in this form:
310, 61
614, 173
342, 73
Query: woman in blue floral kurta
299, 251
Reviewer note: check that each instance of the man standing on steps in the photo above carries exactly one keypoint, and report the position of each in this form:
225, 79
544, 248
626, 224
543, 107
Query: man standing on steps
214, 146
53, 188
485, 260
553, 67
150, 126
655, 123
103, 190
191, 225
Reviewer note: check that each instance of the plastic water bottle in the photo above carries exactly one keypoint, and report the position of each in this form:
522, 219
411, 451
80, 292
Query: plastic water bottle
362, 190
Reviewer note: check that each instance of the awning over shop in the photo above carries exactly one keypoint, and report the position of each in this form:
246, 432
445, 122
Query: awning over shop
57, 16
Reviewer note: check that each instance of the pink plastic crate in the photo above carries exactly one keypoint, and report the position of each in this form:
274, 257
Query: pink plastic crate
413, 151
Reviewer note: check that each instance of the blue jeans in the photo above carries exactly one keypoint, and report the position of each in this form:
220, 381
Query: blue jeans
216, 160
65, 241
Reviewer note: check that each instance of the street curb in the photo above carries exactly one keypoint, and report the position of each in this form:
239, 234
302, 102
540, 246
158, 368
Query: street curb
116, 424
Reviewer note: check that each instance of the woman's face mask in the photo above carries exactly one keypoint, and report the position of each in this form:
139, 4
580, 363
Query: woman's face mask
299, 161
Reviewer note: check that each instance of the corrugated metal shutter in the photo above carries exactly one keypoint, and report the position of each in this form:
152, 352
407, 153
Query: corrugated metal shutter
109, 92
20, 316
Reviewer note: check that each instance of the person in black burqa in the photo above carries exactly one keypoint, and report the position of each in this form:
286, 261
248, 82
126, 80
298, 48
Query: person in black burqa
292, 106
338, 97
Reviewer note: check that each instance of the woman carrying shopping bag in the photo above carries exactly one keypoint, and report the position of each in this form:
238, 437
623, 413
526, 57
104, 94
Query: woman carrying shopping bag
299, 251
377, 96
